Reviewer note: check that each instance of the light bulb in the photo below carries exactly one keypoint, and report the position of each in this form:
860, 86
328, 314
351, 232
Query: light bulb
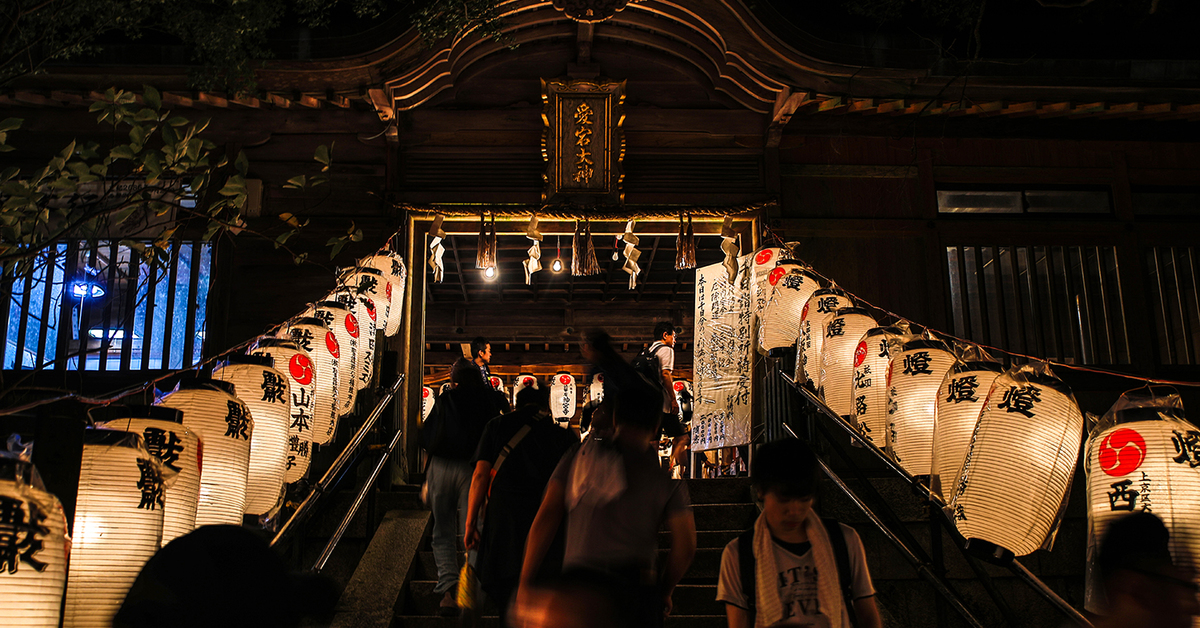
489, 273
556, 266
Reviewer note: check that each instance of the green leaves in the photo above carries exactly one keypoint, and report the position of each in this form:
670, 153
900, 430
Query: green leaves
6, 125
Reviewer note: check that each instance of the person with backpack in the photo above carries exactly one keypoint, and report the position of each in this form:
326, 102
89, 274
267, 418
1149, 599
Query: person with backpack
656, 363
794, 568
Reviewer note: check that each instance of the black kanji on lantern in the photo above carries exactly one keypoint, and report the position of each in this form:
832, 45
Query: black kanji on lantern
793, 282
396, 268
963, 389
274, 387
300, 420
1187, 446
861, 379
301, 398
164, 444
151, 485
917, 363
238, 421
836, 327
303, 337
298, 445
860, 407
367, 284
1021, 399
19, 539
883, 348
827, 304
1122, 497
325, 315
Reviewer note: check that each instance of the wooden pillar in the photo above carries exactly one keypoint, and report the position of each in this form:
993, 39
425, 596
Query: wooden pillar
412, 358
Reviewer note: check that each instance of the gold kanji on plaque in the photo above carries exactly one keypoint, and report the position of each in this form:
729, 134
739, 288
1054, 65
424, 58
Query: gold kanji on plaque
583, 144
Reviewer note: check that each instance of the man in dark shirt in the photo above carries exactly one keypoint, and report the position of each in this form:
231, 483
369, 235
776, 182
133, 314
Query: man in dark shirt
515, 491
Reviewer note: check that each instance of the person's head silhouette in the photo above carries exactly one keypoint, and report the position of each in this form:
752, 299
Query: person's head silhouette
1143, 586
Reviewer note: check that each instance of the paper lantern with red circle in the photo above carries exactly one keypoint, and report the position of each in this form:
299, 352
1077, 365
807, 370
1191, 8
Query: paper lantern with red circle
266, 392
523, 381
1144, 456
315, 337
818, 310
33, 577
118, 525
213, 411
372, 284
345, 329
842, 333
791, 285
764, 262
684, 397
392, 267
1026, 440
871, 357
302, 377
365, 318
497, 384
562, 396
914, 376
959, 400
176, 447
596, 388
427, 399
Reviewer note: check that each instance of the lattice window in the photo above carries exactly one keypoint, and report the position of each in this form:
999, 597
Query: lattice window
1175, 296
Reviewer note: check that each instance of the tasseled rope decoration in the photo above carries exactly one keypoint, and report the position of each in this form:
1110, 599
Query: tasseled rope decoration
685, 245
729, 244
436, 250
485, 256
631, 254
534, 263
583, 252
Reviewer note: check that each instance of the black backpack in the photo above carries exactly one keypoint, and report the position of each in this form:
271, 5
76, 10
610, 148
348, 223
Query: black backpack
648, 365
746, 566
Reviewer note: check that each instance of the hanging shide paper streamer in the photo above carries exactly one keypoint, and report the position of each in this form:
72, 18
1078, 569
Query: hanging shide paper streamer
631, 254
761, 286
1027, 436
842, 334
427, 400
685, 245
118, 525
497, 384
914, 376
363, 332
298, 367
596, 388
315, 337
534, 263
33, 572
729, 246
1144, 456
871, 358
265, 391
392, 267
371, 284
523, 381
562, 396
818, 310
436, 249
176, 447
791, 285
959, 400
213, 411
341, 322
583, 252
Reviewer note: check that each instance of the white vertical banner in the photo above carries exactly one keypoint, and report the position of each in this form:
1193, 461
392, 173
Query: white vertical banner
722, 357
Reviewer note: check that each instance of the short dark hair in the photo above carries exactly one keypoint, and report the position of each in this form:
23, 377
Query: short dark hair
464, 371
530, 396
1137, 542
788, 467
478, 344
663, 327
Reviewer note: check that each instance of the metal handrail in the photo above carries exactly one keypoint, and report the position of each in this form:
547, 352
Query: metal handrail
1013, 565
304, 510
921, 566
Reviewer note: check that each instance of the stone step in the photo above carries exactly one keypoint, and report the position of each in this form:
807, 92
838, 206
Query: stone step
719, 491
705, 566
689, 600
724, 516
704, 538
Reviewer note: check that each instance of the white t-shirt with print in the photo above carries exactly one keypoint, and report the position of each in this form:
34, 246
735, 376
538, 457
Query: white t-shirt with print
666, 362
797, 579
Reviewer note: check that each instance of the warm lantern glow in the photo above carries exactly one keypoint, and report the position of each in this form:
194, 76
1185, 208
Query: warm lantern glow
523, 381
31, 579
365, 319
118, 525
760, 285
265, 391
791, 285
314, 336
345, 330
176, 447
959, 400
913, 379
817, 311
596, 388
392, 267
427, 399
212, 410
301, 374
1028, 435
842, 333
1144, 456
871, 358
497, 384
371, 284
562, 396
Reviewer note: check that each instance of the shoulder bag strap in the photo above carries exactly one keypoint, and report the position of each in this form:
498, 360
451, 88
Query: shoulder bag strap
746, 566
837, 539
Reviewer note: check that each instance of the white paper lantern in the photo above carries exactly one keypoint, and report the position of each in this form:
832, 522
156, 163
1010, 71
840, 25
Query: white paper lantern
562, 397
265, 391
176, 447
446, 387
392, 267
818, 310
497, 384
842, 333
427, 399
765, 261
871, 359
372, 284
914, 376
213, 411
302, 379
682, 388
1018, 468
118, 525
596, 388
791, 285
365, 317
33, 572
959, 400
523, 381
1144, 456
318, 340
345, 328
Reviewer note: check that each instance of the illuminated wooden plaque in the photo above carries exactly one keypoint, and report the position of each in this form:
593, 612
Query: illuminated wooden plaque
583, 144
